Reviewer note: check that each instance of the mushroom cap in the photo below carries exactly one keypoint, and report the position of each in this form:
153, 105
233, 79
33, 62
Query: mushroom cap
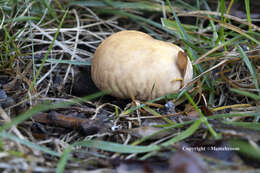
132, 63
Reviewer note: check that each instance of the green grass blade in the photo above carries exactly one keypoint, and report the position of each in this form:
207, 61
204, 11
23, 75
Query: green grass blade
174, 26
115, 147
193, 56
221, 30
50, 47
245, 93
153, 112
51, 9
188, 132
215, 33
136, 18
63, 160
186, 5
230, 115
246, 149
141, 5
11, 39
248, 125
183, 34
23, 19
27, 143
247, 4
169, 127
203, 118
74, 62
250, 67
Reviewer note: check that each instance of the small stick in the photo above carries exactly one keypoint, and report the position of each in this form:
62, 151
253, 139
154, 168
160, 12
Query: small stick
87, 127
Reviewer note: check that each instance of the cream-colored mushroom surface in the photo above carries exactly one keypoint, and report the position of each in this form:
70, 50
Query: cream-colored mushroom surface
132, 63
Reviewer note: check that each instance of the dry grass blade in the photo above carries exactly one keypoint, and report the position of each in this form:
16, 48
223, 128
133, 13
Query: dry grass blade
231, 27
58, 43
204, 56
75, 46
208, 70
227, 16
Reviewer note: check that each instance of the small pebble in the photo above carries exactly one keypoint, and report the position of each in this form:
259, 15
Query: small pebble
170, 107
2, 94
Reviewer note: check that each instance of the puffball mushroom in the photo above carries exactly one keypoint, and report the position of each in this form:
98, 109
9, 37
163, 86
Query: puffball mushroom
133, 64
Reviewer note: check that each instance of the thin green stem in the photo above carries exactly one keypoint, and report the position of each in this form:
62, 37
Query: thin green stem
202, 116
50, 48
